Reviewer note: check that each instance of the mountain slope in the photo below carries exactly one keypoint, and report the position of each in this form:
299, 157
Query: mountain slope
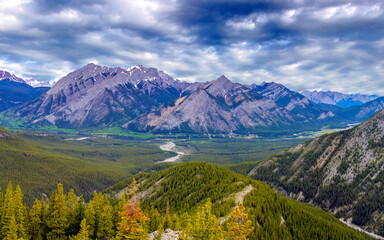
292, 101
95, 95
338, 99
342, 173
14, 93
224, 107
186, 185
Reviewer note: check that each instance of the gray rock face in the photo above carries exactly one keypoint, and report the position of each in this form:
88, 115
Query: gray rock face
220, 106
292, 101
168, 234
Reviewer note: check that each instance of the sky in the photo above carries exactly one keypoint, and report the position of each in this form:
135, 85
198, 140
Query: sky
324, 45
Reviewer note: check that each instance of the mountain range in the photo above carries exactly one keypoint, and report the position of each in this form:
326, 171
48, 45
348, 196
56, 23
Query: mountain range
30, 81
147, 99
337, 98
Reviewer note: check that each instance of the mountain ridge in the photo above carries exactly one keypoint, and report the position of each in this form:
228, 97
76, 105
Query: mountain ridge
342, 173
337, 98
147, 99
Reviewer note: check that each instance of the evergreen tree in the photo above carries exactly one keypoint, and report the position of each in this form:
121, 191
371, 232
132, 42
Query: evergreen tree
105, 230
238, 225
84, 231
8, 212
76, 209
90, 216
35, 230
154, 217
58, 220
20, 212
205, 225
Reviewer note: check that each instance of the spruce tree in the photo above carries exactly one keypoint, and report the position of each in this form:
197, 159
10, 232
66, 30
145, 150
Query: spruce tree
35, 221
84, 231
58, 220
20, 212
105, 230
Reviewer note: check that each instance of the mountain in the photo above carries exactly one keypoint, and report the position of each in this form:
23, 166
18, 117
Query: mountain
292, 101
34, 83
13, 93
342, 173
95, 95
11, 77
337, 98
221, 106
188, 185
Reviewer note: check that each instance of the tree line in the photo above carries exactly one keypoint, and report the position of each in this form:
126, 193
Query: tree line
67, 216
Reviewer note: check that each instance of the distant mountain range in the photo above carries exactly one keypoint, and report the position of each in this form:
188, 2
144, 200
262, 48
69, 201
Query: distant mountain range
30, 81
338, 99
147, 99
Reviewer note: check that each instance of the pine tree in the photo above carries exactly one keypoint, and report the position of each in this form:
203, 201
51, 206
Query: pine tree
90, 216
238, 225
205, 224
154, 216
35, 221
8, 212
73, 211
105, 230
20, 212
84, 231
58, 219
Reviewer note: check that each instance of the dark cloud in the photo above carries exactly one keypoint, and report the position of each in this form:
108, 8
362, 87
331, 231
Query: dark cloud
330, 44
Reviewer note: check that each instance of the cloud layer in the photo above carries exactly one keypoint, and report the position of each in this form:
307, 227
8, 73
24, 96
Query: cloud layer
303, 44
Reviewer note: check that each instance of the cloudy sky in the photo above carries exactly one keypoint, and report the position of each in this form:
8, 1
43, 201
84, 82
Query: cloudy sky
303, 44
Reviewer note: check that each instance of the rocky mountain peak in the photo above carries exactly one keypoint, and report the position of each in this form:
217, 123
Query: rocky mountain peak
10, 76
220, 86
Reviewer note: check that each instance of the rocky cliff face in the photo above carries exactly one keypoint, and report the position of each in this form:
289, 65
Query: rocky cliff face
217, 107
292, 101
341, 172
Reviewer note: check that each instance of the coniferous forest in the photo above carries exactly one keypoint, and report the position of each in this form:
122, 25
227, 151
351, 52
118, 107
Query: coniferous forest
155, 202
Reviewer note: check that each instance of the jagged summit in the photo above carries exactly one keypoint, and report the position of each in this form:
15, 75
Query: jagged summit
10, 76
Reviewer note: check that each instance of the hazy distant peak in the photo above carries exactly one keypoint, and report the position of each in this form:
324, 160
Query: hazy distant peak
337, 98
10, 76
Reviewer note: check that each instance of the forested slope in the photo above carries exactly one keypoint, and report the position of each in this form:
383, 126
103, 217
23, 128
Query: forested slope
341, 172
39, 161
185, 186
